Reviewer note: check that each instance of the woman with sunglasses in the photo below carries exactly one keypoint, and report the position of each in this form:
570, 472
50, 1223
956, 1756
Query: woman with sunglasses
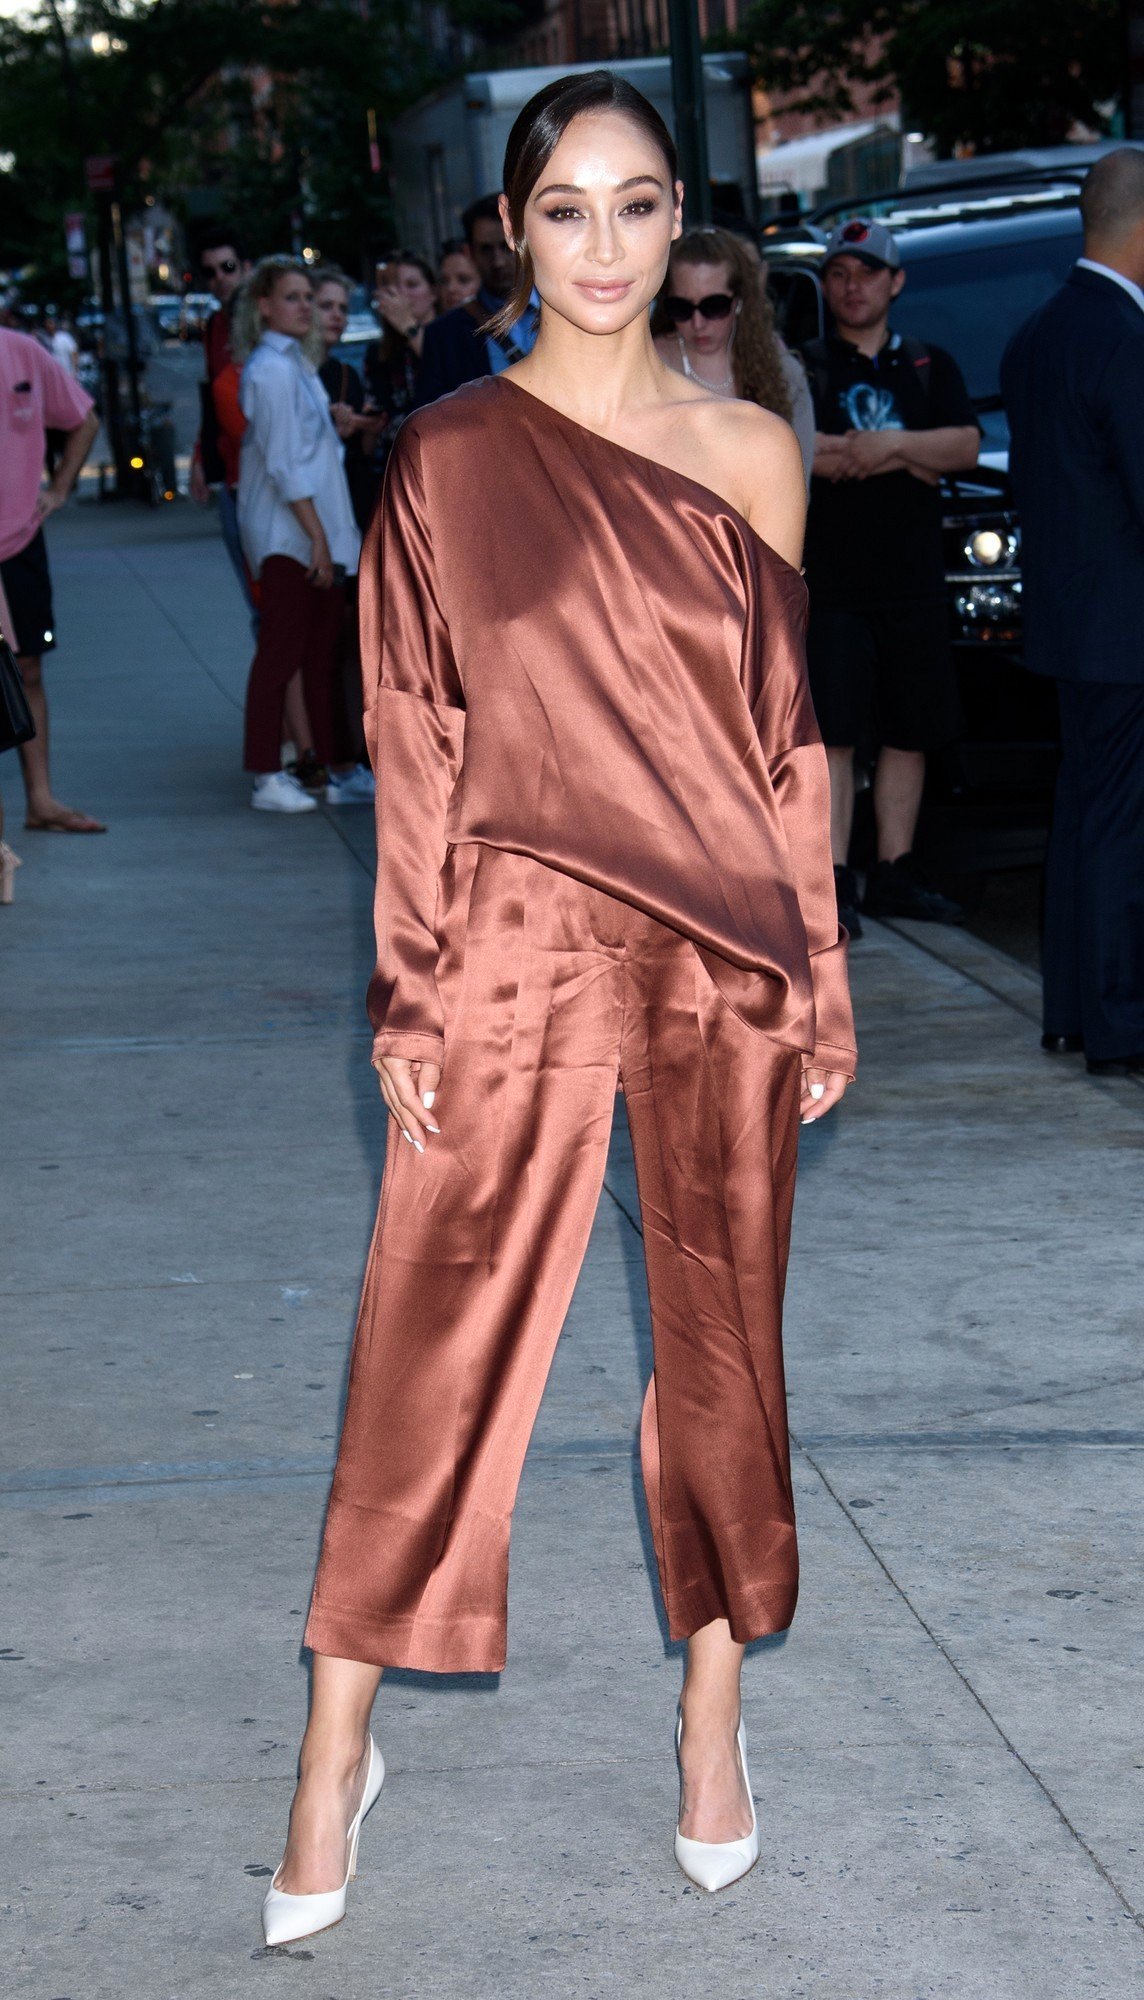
714, 323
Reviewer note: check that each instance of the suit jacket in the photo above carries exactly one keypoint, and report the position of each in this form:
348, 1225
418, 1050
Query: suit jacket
1072, 379
452, 352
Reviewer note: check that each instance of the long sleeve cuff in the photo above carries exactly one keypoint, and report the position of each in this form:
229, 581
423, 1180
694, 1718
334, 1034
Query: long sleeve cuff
412, 1047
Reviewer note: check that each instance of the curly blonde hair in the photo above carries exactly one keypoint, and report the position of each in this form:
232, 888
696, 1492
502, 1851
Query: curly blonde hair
756, 357
247, 325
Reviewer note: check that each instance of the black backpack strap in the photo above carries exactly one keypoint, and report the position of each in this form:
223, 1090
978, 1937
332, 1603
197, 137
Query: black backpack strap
815, 357
919, 362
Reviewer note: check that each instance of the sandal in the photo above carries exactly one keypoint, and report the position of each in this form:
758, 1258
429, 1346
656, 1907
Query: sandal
65, 819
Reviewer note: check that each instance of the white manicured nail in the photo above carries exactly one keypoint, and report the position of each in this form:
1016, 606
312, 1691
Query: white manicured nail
818, 1090
419, 1146
405, 1135
427, 1097
430, 1127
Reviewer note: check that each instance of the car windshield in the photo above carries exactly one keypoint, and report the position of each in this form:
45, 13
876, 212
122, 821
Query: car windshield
973, 302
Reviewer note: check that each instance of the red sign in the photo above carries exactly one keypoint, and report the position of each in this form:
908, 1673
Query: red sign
100, 171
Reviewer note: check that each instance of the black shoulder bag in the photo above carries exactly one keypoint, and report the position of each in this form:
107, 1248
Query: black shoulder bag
16, 725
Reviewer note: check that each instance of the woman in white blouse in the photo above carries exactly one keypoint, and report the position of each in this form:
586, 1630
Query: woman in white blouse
295, 523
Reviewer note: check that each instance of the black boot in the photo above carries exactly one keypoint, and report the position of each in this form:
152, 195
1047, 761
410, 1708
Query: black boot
900, 889
846, 890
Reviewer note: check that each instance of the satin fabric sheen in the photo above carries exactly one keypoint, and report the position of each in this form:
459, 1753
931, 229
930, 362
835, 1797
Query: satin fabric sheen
551, 992
572, 652
603, 859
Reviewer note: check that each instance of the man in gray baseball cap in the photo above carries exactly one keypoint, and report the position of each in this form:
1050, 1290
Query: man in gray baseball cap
892, 416
872, 242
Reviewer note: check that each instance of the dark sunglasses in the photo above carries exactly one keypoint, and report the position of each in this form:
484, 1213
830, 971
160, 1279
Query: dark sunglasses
716, 305
228, 265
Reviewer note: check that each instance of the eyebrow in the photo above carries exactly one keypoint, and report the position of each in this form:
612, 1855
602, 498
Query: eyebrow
566, 187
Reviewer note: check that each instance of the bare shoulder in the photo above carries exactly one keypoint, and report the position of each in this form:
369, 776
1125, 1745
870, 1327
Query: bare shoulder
757, 440
756, 463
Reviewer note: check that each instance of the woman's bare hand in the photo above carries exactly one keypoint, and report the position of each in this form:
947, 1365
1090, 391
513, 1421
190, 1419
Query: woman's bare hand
822, 1089
409, 1089
321, 570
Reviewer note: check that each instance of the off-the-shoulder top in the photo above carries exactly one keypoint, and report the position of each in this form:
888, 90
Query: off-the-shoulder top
573, 652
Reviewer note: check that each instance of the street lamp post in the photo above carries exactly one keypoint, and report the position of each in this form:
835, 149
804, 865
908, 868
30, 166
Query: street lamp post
690, 108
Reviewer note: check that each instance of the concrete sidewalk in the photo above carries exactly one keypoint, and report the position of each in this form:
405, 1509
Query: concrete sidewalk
946, 1749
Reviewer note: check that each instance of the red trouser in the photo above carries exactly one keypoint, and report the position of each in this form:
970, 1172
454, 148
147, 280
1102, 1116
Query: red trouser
298, 631
552, 991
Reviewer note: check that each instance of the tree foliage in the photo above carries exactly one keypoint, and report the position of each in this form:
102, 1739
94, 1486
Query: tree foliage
990, 74
255, 110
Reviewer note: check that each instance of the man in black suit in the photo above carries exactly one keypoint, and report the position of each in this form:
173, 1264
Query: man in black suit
454, 350
1073, 383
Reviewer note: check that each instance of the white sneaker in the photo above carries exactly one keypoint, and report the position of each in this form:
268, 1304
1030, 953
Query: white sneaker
278, 792
355, 788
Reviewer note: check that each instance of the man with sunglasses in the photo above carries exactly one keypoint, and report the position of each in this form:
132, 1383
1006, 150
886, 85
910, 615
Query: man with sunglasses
214, 461
893, 417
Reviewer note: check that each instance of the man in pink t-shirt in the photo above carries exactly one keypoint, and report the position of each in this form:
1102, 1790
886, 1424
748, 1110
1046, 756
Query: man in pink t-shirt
36, 395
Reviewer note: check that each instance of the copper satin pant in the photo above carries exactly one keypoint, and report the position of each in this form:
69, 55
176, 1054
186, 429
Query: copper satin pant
552, 992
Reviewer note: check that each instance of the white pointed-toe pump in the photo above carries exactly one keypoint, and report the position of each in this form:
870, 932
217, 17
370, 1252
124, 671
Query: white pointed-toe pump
715, 1864
287, 1918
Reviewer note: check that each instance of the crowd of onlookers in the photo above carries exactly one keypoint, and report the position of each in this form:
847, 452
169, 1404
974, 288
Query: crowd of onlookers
294, 442
294, 438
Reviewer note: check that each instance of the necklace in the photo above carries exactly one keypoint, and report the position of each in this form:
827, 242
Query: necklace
693, 375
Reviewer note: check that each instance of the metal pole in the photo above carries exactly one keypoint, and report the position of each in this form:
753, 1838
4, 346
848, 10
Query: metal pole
112, 407
690, 108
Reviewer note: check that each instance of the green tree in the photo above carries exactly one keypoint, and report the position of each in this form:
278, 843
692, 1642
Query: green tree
252, 109
989, 74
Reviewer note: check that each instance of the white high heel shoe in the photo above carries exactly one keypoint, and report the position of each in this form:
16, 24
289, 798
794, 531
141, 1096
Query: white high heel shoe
715, 1864
287, 1918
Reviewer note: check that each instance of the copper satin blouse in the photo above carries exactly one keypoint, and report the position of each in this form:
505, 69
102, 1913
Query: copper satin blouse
575, 653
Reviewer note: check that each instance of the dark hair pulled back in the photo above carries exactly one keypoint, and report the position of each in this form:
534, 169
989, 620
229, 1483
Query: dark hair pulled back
536, 133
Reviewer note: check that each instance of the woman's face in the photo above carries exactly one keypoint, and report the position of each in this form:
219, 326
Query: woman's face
417, 295
290, 306
600, 222
457, 280
696, 282
331, 309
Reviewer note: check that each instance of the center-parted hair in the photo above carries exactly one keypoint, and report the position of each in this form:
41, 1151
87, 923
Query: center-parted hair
537, 132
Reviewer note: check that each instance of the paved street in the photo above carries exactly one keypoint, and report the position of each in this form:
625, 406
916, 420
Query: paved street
947, 1748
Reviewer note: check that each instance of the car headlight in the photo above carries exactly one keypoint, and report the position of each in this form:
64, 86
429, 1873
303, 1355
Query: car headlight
985, 605
992, 548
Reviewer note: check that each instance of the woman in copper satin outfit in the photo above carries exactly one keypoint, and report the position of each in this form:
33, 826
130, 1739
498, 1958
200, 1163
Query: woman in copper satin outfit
603, 862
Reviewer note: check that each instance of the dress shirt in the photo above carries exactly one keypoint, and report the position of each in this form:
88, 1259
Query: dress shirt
1116, 278
290, 451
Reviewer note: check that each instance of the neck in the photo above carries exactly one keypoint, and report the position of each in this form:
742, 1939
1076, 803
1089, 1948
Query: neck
715, 365
1124, 259
595, 378
869, 340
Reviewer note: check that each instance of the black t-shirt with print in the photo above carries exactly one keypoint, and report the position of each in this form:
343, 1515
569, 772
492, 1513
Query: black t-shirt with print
878, 539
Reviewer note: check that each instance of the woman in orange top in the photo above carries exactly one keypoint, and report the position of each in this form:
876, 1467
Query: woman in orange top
603, 859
